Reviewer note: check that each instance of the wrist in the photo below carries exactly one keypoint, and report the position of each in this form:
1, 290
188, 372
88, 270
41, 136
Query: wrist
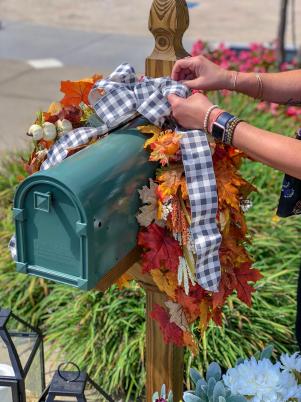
213, 117
227, 80
223, 126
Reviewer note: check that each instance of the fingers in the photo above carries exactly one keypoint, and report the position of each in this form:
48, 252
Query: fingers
179, 67
194, 84
173, 100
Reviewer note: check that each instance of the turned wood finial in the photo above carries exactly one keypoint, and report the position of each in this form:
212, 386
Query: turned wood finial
168, 20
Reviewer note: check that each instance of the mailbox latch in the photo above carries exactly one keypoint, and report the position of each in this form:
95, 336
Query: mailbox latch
81, 228
42, 201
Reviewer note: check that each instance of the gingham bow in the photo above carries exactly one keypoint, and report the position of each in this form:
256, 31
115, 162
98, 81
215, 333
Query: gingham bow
118, 98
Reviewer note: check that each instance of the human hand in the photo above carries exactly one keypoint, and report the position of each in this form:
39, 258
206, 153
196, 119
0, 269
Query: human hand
200, 73
190, 112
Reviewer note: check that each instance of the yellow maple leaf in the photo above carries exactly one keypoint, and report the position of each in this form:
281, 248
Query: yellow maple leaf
166, 281
150, 129
54, 108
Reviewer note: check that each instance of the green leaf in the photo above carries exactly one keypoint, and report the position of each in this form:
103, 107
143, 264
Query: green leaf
211, 385
214, 371
267, 352
201, 388
170, 397
163, 391
191, 398
155, 396
237, 398
218, 391
195, 375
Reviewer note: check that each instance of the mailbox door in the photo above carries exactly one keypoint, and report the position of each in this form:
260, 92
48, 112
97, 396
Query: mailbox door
52, 233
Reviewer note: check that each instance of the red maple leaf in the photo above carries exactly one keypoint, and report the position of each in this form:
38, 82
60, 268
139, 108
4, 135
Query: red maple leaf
163, 250
225, 289
171, 332
244, 274
217, 316
191, 302
71, 113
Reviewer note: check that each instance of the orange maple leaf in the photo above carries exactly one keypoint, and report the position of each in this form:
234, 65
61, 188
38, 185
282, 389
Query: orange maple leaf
244, 275
124, 281
232, 253
77, 91
190, 342
205, 315
171, 179
166, 146
230, 185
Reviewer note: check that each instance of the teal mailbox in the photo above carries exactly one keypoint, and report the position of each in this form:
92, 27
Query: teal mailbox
75, 221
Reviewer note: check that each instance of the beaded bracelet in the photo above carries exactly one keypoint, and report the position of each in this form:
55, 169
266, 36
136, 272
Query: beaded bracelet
229, 132
207, 115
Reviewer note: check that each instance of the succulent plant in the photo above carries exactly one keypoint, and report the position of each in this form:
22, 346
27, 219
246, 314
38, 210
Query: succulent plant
212, 389
162, 396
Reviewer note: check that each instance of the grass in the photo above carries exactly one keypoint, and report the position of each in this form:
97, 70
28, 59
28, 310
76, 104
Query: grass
105, 332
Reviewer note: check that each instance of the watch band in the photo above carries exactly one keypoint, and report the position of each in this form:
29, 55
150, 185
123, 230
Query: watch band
229, 132
219, 126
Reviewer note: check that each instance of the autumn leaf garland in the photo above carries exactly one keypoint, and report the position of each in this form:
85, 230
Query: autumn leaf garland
71, 112
168, 251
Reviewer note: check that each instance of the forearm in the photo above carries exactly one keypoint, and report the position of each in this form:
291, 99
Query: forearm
284, 87
280, 152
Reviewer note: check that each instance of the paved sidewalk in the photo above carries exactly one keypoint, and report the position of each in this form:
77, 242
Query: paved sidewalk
23, 92
24, 89
82, 38
214, 20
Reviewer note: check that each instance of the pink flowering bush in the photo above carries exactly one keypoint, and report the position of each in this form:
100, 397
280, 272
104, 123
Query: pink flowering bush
258, 58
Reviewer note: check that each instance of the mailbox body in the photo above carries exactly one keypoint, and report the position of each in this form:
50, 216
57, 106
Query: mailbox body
75, 221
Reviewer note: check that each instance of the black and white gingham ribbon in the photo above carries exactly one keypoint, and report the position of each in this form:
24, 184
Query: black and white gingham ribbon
118, 98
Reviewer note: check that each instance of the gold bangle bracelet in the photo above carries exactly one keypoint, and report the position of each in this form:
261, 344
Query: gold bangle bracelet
235, 75
259, 94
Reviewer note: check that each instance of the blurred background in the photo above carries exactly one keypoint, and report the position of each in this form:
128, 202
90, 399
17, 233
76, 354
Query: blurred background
44, 42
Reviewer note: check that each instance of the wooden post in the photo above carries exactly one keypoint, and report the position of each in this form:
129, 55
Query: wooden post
164, 362
168, 20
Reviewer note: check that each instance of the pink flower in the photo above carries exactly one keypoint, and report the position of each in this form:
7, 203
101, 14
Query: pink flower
293, 111
274, 109
198, 48
262, 106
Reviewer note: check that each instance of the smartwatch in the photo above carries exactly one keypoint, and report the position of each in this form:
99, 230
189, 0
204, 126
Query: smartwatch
220, 125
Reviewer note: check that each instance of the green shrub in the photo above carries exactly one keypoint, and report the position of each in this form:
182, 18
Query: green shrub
105, 332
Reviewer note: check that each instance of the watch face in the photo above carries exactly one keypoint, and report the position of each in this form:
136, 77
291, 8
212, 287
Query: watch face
218, 131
